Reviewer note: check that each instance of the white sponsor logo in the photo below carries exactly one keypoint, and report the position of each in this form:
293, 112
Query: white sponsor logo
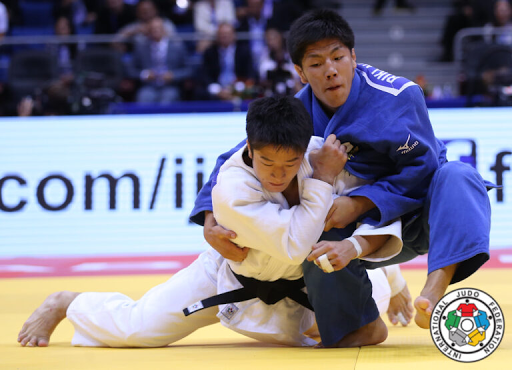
404, 149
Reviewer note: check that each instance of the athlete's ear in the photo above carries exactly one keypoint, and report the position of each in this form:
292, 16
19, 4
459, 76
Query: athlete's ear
353, 53
249, 150
301, 74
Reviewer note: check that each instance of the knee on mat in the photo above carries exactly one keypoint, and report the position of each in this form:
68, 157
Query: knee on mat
380, 333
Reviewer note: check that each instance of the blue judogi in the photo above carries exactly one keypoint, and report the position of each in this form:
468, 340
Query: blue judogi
444, 205
386, 120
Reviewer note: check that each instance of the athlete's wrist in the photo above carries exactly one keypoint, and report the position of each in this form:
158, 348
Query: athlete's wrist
362, 204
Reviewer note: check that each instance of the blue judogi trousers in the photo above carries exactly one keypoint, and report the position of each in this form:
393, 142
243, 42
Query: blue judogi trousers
453, 227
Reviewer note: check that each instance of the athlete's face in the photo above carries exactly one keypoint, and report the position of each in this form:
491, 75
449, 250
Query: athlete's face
328, 66
275, 168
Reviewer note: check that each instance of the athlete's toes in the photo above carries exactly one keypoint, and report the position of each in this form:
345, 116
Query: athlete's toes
43, 342
422, 303
392, 318
23, 333
24, 341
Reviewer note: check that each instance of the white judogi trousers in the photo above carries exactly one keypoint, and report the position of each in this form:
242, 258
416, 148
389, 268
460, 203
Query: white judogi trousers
157, 319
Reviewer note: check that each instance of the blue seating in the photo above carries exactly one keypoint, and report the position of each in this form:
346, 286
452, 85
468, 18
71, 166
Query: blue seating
31, 31
4, 67
36, 13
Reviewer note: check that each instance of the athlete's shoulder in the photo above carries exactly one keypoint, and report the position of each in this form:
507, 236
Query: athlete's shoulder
237, 184
384, 81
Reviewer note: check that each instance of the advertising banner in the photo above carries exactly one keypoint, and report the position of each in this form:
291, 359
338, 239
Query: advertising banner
125, 185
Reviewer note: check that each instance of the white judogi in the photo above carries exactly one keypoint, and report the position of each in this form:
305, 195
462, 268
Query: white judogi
280, 239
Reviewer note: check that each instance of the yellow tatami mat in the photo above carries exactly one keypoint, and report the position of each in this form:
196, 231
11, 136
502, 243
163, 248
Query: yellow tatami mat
215, 347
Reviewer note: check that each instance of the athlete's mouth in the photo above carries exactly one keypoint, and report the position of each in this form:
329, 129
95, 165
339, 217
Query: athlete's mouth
333, 88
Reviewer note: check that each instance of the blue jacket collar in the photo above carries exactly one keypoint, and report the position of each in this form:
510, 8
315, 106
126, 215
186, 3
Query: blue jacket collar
330, 124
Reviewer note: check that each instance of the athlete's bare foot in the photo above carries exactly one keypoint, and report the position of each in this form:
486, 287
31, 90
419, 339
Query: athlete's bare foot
424, 309
373, 333
40, 325
400, 308
434, 289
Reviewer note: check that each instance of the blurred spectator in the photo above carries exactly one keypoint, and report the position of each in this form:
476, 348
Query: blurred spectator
493, 76
242, 8
114, 16
286, 11
502, 22
463, 16
145, 11
4, 20
422, 82
254, 23
93, 9
276, 72
25, 107
495, 66
208, 15
65, 53
488, 63
75, 10
160, 65
225, 63
52, 101
13, 11
482, 11
378, 5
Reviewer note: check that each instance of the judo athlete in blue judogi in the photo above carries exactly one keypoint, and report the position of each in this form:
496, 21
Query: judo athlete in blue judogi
384, 121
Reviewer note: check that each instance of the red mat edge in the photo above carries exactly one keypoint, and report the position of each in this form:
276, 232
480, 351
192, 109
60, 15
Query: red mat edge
24, 267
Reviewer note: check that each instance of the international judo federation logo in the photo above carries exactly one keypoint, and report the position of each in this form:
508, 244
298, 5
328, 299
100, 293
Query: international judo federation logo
467, 325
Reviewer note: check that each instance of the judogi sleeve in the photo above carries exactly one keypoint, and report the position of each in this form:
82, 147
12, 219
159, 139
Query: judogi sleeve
346, 183
239, 204
414, 150
393, 245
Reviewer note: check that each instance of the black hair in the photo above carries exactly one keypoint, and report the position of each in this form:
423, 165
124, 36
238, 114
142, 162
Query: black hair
280, 121
314, 26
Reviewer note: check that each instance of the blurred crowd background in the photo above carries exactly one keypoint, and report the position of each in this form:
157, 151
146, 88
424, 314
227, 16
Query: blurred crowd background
65, 57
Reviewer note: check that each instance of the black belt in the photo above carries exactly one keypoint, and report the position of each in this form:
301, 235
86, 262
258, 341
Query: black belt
269, 292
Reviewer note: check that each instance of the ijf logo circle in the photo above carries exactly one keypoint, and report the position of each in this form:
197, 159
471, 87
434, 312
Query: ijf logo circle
467, 325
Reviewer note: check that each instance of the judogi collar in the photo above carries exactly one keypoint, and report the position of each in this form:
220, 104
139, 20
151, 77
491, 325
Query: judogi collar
325, 125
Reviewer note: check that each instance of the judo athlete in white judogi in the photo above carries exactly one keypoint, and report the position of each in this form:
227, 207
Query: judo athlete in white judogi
279, 217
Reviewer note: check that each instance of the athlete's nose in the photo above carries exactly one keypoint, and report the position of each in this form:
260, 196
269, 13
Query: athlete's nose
331, 70
279, 173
